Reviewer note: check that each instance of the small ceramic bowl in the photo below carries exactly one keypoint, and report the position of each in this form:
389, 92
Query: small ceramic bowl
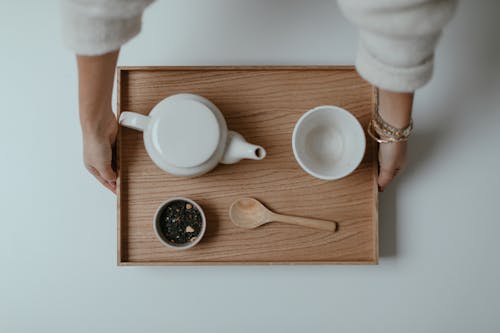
161, 236
328, 142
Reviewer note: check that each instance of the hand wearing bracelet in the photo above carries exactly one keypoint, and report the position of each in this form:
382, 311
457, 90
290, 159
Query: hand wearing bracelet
391, 126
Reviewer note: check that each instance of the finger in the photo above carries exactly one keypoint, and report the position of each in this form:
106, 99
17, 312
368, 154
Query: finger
386, 175
111, 187
392, 158
95, 173
108, 173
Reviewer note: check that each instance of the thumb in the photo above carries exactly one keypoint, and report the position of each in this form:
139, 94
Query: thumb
108, 173
385, 176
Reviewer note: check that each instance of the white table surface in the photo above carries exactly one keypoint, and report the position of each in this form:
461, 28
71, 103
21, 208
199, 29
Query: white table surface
439, 223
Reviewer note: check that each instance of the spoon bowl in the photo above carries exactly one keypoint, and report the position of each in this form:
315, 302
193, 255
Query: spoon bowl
248, 213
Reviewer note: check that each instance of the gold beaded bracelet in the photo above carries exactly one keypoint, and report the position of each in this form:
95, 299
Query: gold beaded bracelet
382, 132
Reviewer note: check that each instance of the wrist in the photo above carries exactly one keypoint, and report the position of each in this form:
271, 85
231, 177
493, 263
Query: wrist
98, 125
95, 88
395, 108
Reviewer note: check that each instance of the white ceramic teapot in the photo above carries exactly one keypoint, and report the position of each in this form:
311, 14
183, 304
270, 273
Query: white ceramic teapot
187, 135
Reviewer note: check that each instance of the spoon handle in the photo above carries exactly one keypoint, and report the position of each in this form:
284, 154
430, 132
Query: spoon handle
306, 222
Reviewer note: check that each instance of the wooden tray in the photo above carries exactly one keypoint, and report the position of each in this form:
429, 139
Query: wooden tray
263, 104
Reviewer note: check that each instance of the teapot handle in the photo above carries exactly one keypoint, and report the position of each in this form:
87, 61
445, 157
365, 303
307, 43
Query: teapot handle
134, 120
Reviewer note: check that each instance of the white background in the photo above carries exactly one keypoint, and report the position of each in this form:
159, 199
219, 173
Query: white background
439, 224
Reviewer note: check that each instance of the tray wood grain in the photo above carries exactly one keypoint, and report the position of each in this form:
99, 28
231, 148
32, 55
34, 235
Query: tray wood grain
263, 104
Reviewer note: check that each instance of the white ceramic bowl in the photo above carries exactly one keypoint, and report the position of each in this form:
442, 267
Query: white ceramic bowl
169, 244
328, 142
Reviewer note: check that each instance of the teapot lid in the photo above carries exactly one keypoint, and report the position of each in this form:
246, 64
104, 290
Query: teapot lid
184, 132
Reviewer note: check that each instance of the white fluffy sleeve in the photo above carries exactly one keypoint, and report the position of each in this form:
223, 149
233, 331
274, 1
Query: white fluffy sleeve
397, 39
93, 27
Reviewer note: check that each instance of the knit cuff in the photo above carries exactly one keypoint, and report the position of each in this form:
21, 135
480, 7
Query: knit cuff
398, 79
90, 35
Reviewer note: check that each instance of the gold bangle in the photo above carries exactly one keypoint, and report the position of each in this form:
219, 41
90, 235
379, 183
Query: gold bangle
387, 129
376, 136
383, 132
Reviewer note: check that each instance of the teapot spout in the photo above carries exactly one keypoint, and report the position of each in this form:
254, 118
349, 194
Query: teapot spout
238, 148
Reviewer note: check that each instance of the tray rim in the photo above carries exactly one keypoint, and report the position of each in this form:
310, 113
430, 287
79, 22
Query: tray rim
121, 261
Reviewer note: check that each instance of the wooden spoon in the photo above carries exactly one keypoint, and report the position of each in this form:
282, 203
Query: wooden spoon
250, 213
